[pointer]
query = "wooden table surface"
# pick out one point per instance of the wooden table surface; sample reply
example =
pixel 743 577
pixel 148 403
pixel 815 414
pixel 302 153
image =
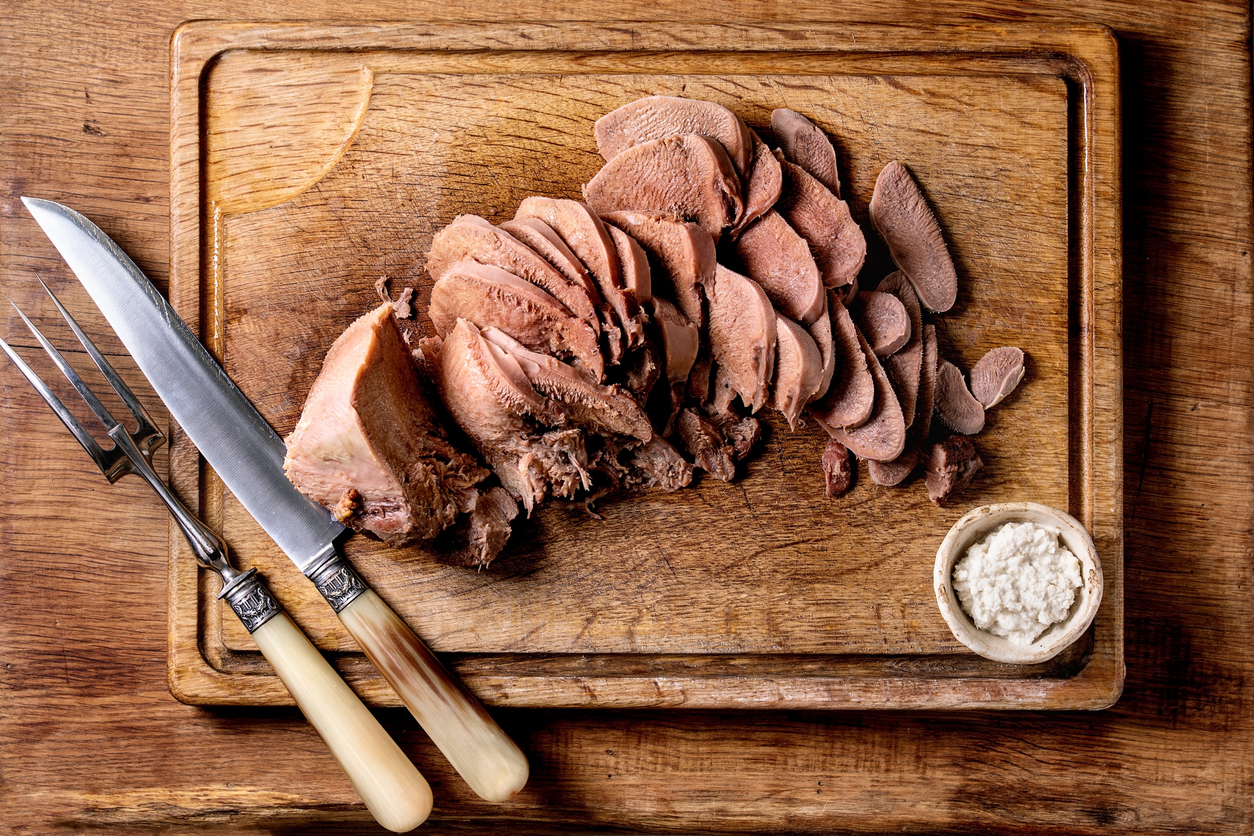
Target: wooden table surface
pixel 92 740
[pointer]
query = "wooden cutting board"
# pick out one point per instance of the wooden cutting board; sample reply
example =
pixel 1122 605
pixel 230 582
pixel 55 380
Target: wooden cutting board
pixel 310 160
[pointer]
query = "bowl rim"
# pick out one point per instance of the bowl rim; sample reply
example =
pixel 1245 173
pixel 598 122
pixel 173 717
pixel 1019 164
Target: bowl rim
pixel 977 524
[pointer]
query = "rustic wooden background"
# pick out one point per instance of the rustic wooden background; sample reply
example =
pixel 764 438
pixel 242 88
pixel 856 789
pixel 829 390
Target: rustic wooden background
pixel 90 738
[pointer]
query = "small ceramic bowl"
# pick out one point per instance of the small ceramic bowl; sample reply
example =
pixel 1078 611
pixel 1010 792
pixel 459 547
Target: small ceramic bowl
pixel 977 525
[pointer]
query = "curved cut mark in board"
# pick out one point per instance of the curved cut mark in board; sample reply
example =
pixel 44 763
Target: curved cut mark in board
pixel 275 124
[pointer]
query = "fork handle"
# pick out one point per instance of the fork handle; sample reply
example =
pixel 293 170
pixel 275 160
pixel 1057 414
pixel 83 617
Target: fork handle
pixel 394 791
pixel 491 763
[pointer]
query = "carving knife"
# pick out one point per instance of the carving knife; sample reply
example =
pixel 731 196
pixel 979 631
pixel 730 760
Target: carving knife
pixel 248 455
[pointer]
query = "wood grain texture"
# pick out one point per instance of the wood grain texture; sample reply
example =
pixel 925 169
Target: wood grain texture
pixel 92 740
pixel 1012 142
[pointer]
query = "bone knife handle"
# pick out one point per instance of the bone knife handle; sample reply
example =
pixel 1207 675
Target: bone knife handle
pixel 491 763
pixel 394 791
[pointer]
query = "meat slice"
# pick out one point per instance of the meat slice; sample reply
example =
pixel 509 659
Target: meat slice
pixel 489 396
pixel 682 256
pixel 996 375
pixel 489 296
pixel 705 444
pixel 908 226
pixel 882 319
pixel 482 533
pixel 680 338
pixel 891 474
pixel 687 176
pixel 658 464
pixel 637 277
pixel 542 238
pixel 955 405
pixel 822 219
pixel 895 472
pixel 883 436
pixel 369 445
pixel 851 396
pixel 951 465
pixel 603 408
pixel 742 335
pixel 471 237
pixel 658 117
pixel 804 144
pixel 798 369
pixel 837 468
pixel 776 257
pixel 821 333
pixel 762 189
pixel 588 238
pixel 905 365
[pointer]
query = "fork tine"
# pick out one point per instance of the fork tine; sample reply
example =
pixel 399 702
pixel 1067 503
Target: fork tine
pixel 89 396
pixel 103 461
pixel 147 436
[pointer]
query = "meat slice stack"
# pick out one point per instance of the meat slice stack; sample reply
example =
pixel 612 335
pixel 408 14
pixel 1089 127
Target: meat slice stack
pixel 628 339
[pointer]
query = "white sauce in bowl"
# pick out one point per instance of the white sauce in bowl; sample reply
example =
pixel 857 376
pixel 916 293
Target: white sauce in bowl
pixel 1017 581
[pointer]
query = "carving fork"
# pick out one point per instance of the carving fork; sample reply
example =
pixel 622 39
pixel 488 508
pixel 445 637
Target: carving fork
pixel 385 779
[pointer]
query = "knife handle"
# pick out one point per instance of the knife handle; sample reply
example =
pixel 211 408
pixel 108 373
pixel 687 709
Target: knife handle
pixel 491 763
pixel 394 791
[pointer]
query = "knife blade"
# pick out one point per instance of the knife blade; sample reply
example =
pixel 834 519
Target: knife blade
pixel 247 455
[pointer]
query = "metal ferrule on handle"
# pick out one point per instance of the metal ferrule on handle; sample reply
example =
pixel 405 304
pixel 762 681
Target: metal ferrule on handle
pixel 491 763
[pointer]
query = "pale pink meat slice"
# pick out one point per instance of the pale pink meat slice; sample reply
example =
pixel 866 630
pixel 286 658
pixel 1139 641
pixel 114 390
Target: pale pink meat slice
pixel 489 296
pixel 883 436
pixel 680 339
pixel 682 256
pixel 908 226
pixel 821 333
pixel 957 408
pixel 883 320
pixel 369 445
pixel 822 219
pixel 798 369
pixel 891 474
pixel 905 366
pixel 776 257
pixel 895 472
pixel 542 238
pixel 637 277
pixel 804 144
pixel 589 239
pixel 742 335
pixel 490 397
pixel 472 237
pixel 658 117
pixel 603 408
pixel 687 176
pixel 996 375
pixel 851 397
pixel 762 188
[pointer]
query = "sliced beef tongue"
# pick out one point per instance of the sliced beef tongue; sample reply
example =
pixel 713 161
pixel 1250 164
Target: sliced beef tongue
pixel 542 238
pixel 951 465
pixel 742 335
pixel 658 117
pixel 798 369
pixel 481 534
pixel 996 375
pixel 883 320
pixel 955 405
pixel 489 296
pixel 908 226
pixel 606 409
pixel 776 257
pixel 896 471
pixel 851 397
pixel 761 190
pixel 821 333
pixel 369 445
pixel 687 176
pixel 490 398
pixel 705 443
pixel 637 276
pixel 822 219
pixel 837 468
pixel 883 436
pixel 471 237
pixel 586 236
pixel 905 366
pixel 804 144
pixel 682 256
